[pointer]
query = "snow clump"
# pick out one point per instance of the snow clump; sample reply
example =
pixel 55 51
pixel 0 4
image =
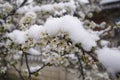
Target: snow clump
pixel 35 30
pixel 33 51
pixel 73 26
pixel 18 36
pixel 110 58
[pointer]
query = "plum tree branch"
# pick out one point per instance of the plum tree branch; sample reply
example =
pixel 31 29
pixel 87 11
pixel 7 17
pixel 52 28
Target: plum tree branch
pixel 80 64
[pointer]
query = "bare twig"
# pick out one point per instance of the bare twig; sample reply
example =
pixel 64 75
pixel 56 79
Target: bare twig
pixel 19 72
pixel 88 52
pixel 29 71
pixel 80 64
pixel 21 62
pixel 26 60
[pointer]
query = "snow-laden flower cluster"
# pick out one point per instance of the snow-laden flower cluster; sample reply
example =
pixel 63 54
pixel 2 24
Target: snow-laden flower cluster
pixel 74 28
pixel 35 32
pixel 51 34
pixel 71 25
pixel 18 36
pixel 49 8
pixel 56 42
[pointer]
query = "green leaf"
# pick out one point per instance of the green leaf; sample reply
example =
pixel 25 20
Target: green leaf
pixel 36 74
pixel 14 62
pixel 83 58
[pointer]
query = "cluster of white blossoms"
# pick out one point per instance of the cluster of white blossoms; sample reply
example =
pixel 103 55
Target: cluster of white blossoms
pixel 49 8
pixel 28 19
pixel 7 8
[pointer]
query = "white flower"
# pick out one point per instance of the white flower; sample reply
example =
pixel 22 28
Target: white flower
pixel 7 8
pixel 29 18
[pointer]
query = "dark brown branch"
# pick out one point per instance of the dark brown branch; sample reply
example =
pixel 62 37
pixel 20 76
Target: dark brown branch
pixel 23 3
pixel 29 71
pixel 91 55
pixel 39 69
pixel 26 60
pixel 14 10
pixel 80 64
pixel 88 52
pixel 21 61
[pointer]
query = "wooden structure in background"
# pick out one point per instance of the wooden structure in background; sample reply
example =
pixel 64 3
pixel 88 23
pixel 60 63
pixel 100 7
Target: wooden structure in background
pixel 110 13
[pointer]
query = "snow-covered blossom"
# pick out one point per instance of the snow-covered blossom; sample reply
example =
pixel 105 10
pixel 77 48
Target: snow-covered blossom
pixel 35 31
pixel 33 68
pixel 17 36
pixel 48 7
pixel 33 51
pixel 16 56
pixel 104 43
pixel 74 28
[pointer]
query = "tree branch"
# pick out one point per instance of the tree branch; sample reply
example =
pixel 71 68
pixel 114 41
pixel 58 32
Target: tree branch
pixel 87 52
pixel 39 69
pixel 26 60
pixel 23 3
pixel 14 10
pixel 19 72
pixel 80 64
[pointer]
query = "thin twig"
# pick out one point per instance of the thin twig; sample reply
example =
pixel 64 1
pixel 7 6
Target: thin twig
pixel 19 72
pixel 29 71
pixel 26 60
pixel 21 61
pixel 80 64
pixel 39 69
pixel 88 52
pixel 14 10
pixel 23 3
